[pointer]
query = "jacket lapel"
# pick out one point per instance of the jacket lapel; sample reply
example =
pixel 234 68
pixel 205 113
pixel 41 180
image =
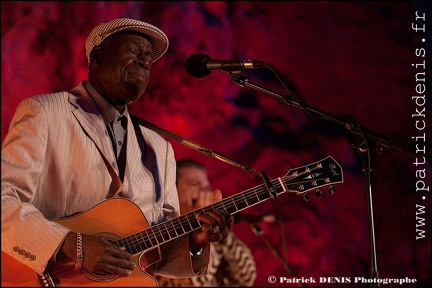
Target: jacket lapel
pixel 91 121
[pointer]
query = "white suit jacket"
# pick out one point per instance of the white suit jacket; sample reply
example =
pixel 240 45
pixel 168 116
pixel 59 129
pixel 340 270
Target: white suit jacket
pixel 58 160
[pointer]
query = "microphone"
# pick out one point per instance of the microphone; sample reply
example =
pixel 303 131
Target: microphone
pixel 254 218
pixel 200 65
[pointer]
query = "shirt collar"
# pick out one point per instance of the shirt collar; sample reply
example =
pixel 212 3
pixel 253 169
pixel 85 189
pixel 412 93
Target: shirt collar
pixel 109 112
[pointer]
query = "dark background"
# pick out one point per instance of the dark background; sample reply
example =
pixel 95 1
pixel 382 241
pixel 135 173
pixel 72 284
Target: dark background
pixel 352 60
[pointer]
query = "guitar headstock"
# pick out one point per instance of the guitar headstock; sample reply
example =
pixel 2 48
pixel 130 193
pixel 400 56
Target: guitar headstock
pixel 313 176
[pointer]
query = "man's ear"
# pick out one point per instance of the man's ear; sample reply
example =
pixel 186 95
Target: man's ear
pixel 95 56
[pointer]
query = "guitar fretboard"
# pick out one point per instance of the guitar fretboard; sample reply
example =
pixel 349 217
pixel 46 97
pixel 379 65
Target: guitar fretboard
pixel 168 230
pixel 298 181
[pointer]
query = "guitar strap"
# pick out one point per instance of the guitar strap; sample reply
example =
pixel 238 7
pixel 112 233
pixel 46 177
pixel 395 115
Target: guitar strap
pixel 136 120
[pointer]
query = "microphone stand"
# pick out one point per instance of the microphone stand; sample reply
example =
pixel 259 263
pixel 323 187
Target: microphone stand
pixel 363 147
pixel 380 140
pixel 258 231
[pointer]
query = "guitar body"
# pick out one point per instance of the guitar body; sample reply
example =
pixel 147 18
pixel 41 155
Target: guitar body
pixel 112 219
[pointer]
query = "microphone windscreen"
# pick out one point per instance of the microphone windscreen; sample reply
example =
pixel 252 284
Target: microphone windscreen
pixel 195 65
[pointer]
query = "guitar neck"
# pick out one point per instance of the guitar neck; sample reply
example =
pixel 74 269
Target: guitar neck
pixel 299 180
pixel 184 224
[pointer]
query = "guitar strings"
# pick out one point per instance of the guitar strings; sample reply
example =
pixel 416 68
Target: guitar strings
pixel 189 220
pixel 184 223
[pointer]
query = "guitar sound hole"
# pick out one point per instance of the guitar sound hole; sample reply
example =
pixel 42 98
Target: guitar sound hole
pixel 102 277
pixel 99 277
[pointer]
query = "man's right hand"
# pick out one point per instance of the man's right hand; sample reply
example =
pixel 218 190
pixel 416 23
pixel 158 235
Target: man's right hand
pixel 100 256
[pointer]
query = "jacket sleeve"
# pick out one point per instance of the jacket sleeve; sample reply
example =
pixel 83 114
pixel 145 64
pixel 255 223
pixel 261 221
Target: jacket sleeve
pixel 23 153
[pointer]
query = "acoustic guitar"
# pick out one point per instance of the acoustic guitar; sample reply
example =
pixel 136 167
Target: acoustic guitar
pixel 121 222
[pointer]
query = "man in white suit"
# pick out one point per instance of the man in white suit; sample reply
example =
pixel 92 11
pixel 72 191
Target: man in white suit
pixel 75 154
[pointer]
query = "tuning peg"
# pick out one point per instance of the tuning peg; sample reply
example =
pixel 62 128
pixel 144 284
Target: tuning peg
pixel 318 193
pixel 306 196
pixel 331 190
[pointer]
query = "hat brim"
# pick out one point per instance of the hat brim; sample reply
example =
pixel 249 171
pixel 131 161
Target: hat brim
pixel 159 41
